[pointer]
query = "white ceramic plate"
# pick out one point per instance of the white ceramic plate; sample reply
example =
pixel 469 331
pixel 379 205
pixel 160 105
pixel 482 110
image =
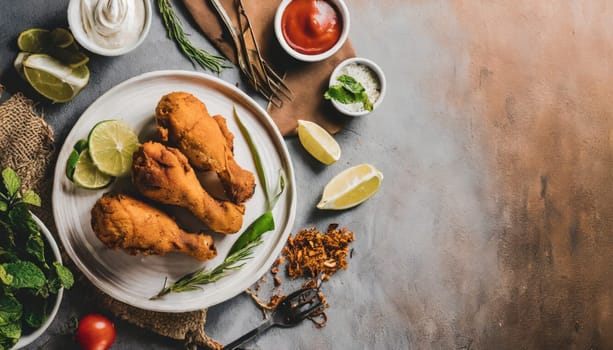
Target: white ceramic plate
pixel 134 279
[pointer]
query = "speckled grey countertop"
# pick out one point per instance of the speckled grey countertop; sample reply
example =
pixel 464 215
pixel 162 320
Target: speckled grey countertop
pixel 492 227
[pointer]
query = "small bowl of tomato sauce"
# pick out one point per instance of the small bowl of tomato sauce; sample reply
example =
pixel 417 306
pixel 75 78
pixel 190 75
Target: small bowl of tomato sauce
pixel 312 30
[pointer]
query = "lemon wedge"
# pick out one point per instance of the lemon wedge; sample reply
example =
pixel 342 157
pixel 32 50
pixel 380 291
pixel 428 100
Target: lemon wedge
pixel 351 187
pixel 318 142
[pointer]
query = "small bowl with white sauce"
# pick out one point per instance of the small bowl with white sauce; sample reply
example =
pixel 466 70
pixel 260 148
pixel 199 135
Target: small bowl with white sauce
pixel 109 27
pixel 349 97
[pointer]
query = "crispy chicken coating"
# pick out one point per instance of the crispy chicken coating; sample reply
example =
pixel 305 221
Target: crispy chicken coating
pixel 184 122
pixel 123 222
pixel 163 174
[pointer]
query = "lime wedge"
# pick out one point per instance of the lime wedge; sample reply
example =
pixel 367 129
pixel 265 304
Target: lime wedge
pixel 54 80
pixel 111 145
pixel 34 40
pixel 86 175
pixel 351 187
pixel 61 37
pixel 318 142
pixel 69 56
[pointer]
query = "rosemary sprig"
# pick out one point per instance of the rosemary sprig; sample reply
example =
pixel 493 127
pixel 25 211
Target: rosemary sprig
pixel 244 246
pixel 196 279
pixel 175 31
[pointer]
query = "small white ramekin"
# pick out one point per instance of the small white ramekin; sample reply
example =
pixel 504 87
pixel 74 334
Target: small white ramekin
pixel 76 27
pixel 378 72
pixel 344 13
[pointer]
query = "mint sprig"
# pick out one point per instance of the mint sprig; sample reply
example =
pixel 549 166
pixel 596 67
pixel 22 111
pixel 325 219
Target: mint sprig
pixel 27 278
pixel 348 91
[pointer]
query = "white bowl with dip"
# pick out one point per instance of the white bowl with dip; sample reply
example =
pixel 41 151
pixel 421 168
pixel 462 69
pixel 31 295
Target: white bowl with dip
pixel 109 27
pixel 322 39
pixel 365 72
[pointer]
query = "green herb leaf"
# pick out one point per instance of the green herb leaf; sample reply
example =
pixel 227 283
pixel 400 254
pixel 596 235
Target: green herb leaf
pixel 11 180
pixel 11 332
pixel 10 310
pixel 30 197
pixel 256 156
pixel 340 94
pixel 5 277
pixel 36 247
pixel 349 83
pixel 366 102
pixel 25 275
pixel 35 315
pixel 3 206
pixel 262 224
pixel 349 91
pixel 65 276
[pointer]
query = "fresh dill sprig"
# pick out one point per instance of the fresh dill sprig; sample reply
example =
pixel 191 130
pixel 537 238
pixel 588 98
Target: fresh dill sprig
pixel 175 30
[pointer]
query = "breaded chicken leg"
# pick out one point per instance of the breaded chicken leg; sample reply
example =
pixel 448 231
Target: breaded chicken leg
pixel 123 222
pixel 163 174
pixel 185 123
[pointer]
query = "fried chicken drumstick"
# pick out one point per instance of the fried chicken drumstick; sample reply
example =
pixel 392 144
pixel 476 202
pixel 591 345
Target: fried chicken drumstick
pixel 163 174
pixel 185 123
pixel 123 222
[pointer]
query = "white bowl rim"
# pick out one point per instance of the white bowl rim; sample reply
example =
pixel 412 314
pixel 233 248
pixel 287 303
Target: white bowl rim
pixel 375 68
pixel 344 11
pixel 28 339
pixel 76 27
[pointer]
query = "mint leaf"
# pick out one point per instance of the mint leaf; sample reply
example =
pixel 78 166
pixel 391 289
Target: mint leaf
pixel 5 277
pixel 36 247
pixel 349 83
pixel 64 274
pixel 366 102
pixel 35 311
pixel 11 331
pixel 340 94
pixel 10 310
pixel 30 197
pixel 25 275
pixel 11 180
pixel 3 206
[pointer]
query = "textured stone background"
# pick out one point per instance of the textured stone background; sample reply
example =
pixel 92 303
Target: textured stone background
pixel 493 226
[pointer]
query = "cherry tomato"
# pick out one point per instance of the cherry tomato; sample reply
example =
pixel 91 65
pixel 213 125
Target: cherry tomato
pixel 95 332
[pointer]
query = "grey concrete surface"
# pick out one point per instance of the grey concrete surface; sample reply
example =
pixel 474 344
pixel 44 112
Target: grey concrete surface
pixel 492 228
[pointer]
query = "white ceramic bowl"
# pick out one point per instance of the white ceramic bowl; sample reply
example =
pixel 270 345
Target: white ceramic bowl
pixel 76 27
pixel 29 338
pixel 344 13
pixel 378 73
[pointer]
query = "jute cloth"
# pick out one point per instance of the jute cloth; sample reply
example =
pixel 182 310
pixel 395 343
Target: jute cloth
pixel 27 145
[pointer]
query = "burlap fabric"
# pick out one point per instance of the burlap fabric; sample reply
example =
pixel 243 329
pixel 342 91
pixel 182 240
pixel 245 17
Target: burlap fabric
pixel 26 145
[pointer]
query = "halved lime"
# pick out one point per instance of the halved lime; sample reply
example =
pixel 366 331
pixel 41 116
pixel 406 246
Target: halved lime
pixel 69 56
pixel 53 79
pixel 61 37
pixel 111 145
pixel 87 175
pixel 34 40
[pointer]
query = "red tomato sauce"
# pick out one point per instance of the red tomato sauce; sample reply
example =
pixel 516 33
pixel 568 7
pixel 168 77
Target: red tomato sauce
pixel 311 27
